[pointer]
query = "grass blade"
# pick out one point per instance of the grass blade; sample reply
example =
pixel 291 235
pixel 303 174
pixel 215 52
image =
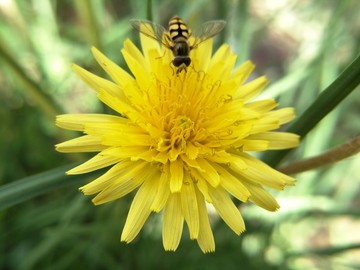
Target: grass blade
pixel 348 80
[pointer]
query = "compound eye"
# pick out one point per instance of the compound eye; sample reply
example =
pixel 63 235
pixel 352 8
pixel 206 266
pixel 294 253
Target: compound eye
pixel 178 60
pixel 187 61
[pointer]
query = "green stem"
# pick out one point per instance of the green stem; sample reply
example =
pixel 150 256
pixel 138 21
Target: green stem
pixel 348 80
pixel 336 154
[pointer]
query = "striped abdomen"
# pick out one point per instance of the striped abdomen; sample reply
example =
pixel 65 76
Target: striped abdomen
pixel 178 30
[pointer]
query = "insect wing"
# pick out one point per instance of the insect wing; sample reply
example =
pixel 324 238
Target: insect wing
pixel 208 30
pixel 150 29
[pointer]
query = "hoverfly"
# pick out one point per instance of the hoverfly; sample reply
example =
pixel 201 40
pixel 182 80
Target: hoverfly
pixel 177 37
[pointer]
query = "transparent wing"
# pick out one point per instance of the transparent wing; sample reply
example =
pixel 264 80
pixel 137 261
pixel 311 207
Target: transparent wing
pixel 151 30
pixel 208 30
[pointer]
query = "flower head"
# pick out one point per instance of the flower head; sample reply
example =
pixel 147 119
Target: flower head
pixel 180 140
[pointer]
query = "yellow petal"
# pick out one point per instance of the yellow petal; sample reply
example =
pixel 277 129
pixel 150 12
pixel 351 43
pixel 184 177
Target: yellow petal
pixel 97 83
pixel 226 209
pixel 134 52
pixel 202 55
pixel 277 140
pixel 221 64
pixel 190 207
pixel 262 174
pixel 148 44
pixel 232 184
pixel 119 128
pixel 210 174
pixel 230 86
pixel 222 53
pixel 254 145
pixel 172 223
pixel 261 197
pixel 234 136
pixel 134 152
pixel 174 153
pixel 220 156
pixel 162 193
pixel 78 121
pixel 222 121
pixel 201 184
pixel 120 76
pixel 135 95
pixel 176 175
pixel 143 79
pixel 265 123
pixel 86 143
pixel 191 162
pixel 205 238
pixel 123 108
pixel 161 157
pixel 243 71
pixel 117 182
pixel 236 162
pixel 191 150
pixel 284 115
pixel 139 210
pixel 129 139
pixel 122 171
pixel 251 89
pixel 262 106
pixel 97 162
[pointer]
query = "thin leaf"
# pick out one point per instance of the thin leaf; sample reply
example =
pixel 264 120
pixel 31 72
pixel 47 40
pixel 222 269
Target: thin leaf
pixel 348 80
pixel 32 186
pixel 149 11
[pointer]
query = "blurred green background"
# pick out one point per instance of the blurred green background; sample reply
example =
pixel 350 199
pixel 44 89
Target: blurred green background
pixel 301 45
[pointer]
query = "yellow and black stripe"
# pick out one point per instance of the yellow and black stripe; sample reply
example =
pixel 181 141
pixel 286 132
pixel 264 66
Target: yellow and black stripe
pixel 178 29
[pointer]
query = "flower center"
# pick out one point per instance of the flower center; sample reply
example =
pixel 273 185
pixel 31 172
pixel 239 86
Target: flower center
pixel 181 131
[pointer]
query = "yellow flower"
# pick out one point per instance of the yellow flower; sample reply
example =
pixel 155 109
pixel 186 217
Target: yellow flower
pixel 180 139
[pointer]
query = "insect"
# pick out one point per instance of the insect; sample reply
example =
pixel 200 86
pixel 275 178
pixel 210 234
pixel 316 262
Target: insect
pixel 177 37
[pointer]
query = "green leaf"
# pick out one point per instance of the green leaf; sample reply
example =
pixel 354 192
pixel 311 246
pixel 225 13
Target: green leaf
pixel 30 187
pixel 347 81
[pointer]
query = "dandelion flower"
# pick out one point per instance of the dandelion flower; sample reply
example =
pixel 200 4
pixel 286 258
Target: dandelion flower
pixel 180 140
